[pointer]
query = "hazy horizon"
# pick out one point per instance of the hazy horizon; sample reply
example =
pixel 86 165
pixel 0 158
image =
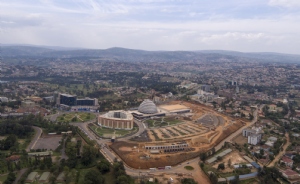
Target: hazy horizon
pixel 154 25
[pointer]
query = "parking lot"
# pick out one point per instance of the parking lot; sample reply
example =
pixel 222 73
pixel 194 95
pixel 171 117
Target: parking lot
pixel 49 142
pixel 177 131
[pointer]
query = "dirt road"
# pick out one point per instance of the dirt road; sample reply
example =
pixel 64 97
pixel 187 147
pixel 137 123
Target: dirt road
pixel 282 152
pixel 198 174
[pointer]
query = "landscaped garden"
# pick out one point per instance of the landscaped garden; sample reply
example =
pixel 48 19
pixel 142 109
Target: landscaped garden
pixel 76 117
pixel 160 122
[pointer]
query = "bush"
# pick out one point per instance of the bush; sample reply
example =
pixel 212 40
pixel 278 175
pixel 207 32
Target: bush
pixel 221 166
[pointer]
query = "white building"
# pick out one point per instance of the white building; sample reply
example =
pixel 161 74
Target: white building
pixel 254 139
pixel 254 135
pixel 3 99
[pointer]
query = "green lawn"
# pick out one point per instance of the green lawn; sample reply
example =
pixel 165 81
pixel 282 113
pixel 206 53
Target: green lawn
pixel 76 117
pixel 107 132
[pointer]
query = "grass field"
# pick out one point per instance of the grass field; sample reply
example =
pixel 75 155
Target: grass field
pixel 107 132
pixel 162 122
pixel 3 178
pixel 76 117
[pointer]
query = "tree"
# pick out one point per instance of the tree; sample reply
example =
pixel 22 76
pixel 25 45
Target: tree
pixel 213 150
pixel 221 166
pixel 120 174
pixel 10 178
pixel 201 164
pixel 213 178
pixel 9 142
pixel 229 162
pixel 103 166
pixel 188 181
pixel 52 179
pixel 123 179
pixel 93 177
pixel 89 154
pixel 203 156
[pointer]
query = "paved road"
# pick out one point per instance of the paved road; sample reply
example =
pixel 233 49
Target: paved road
pixel 38 133
pixel 63 151
pixel 141 127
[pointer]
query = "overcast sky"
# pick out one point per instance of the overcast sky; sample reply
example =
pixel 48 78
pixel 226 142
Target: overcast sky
pixel 240 25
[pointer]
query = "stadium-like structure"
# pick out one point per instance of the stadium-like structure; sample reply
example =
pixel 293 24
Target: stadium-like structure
pixel 147 107
pixel 117 120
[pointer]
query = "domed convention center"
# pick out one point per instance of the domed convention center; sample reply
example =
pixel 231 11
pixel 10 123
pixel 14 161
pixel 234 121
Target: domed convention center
pixel 147 107
pixel 116 120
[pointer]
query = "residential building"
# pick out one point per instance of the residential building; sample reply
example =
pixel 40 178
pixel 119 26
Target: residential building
pixel 254 139
pixel 287 161
pixel 290 174
pixel 254 135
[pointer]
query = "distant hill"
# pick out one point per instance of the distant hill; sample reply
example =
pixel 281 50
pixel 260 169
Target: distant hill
pixel 131 55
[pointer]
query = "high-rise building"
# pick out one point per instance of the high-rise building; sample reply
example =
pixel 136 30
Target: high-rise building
pixel 66 99
pixel 237 89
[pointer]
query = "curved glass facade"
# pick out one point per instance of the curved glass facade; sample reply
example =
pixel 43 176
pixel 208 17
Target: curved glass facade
pixel 147 107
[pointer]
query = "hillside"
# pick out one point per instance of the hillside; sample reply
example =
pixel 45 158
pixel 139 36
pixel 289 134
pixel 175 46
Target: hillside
pixel 131 55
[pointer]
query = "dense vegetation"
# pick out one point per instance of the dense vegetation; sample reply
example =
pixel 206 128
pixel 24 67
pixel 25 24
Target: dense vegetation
pixel 20 128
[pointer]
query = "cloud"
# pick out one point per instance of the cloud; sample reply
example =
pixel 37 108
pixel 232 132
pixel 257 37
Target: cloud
pixel 285 3
pixel 240 25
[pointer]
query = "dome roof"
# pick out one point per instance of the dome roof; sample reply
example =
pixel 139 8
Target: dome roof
pixel 147 107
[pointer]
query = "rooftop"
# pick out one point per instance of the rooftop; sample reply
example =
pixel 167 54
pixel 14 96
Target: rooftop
pixel 286 159
pixel 290 172
pixel 118 115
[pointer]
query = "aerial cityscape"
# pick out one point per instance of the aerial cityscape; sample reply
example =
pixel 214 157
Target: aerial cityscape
pixel 149 91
